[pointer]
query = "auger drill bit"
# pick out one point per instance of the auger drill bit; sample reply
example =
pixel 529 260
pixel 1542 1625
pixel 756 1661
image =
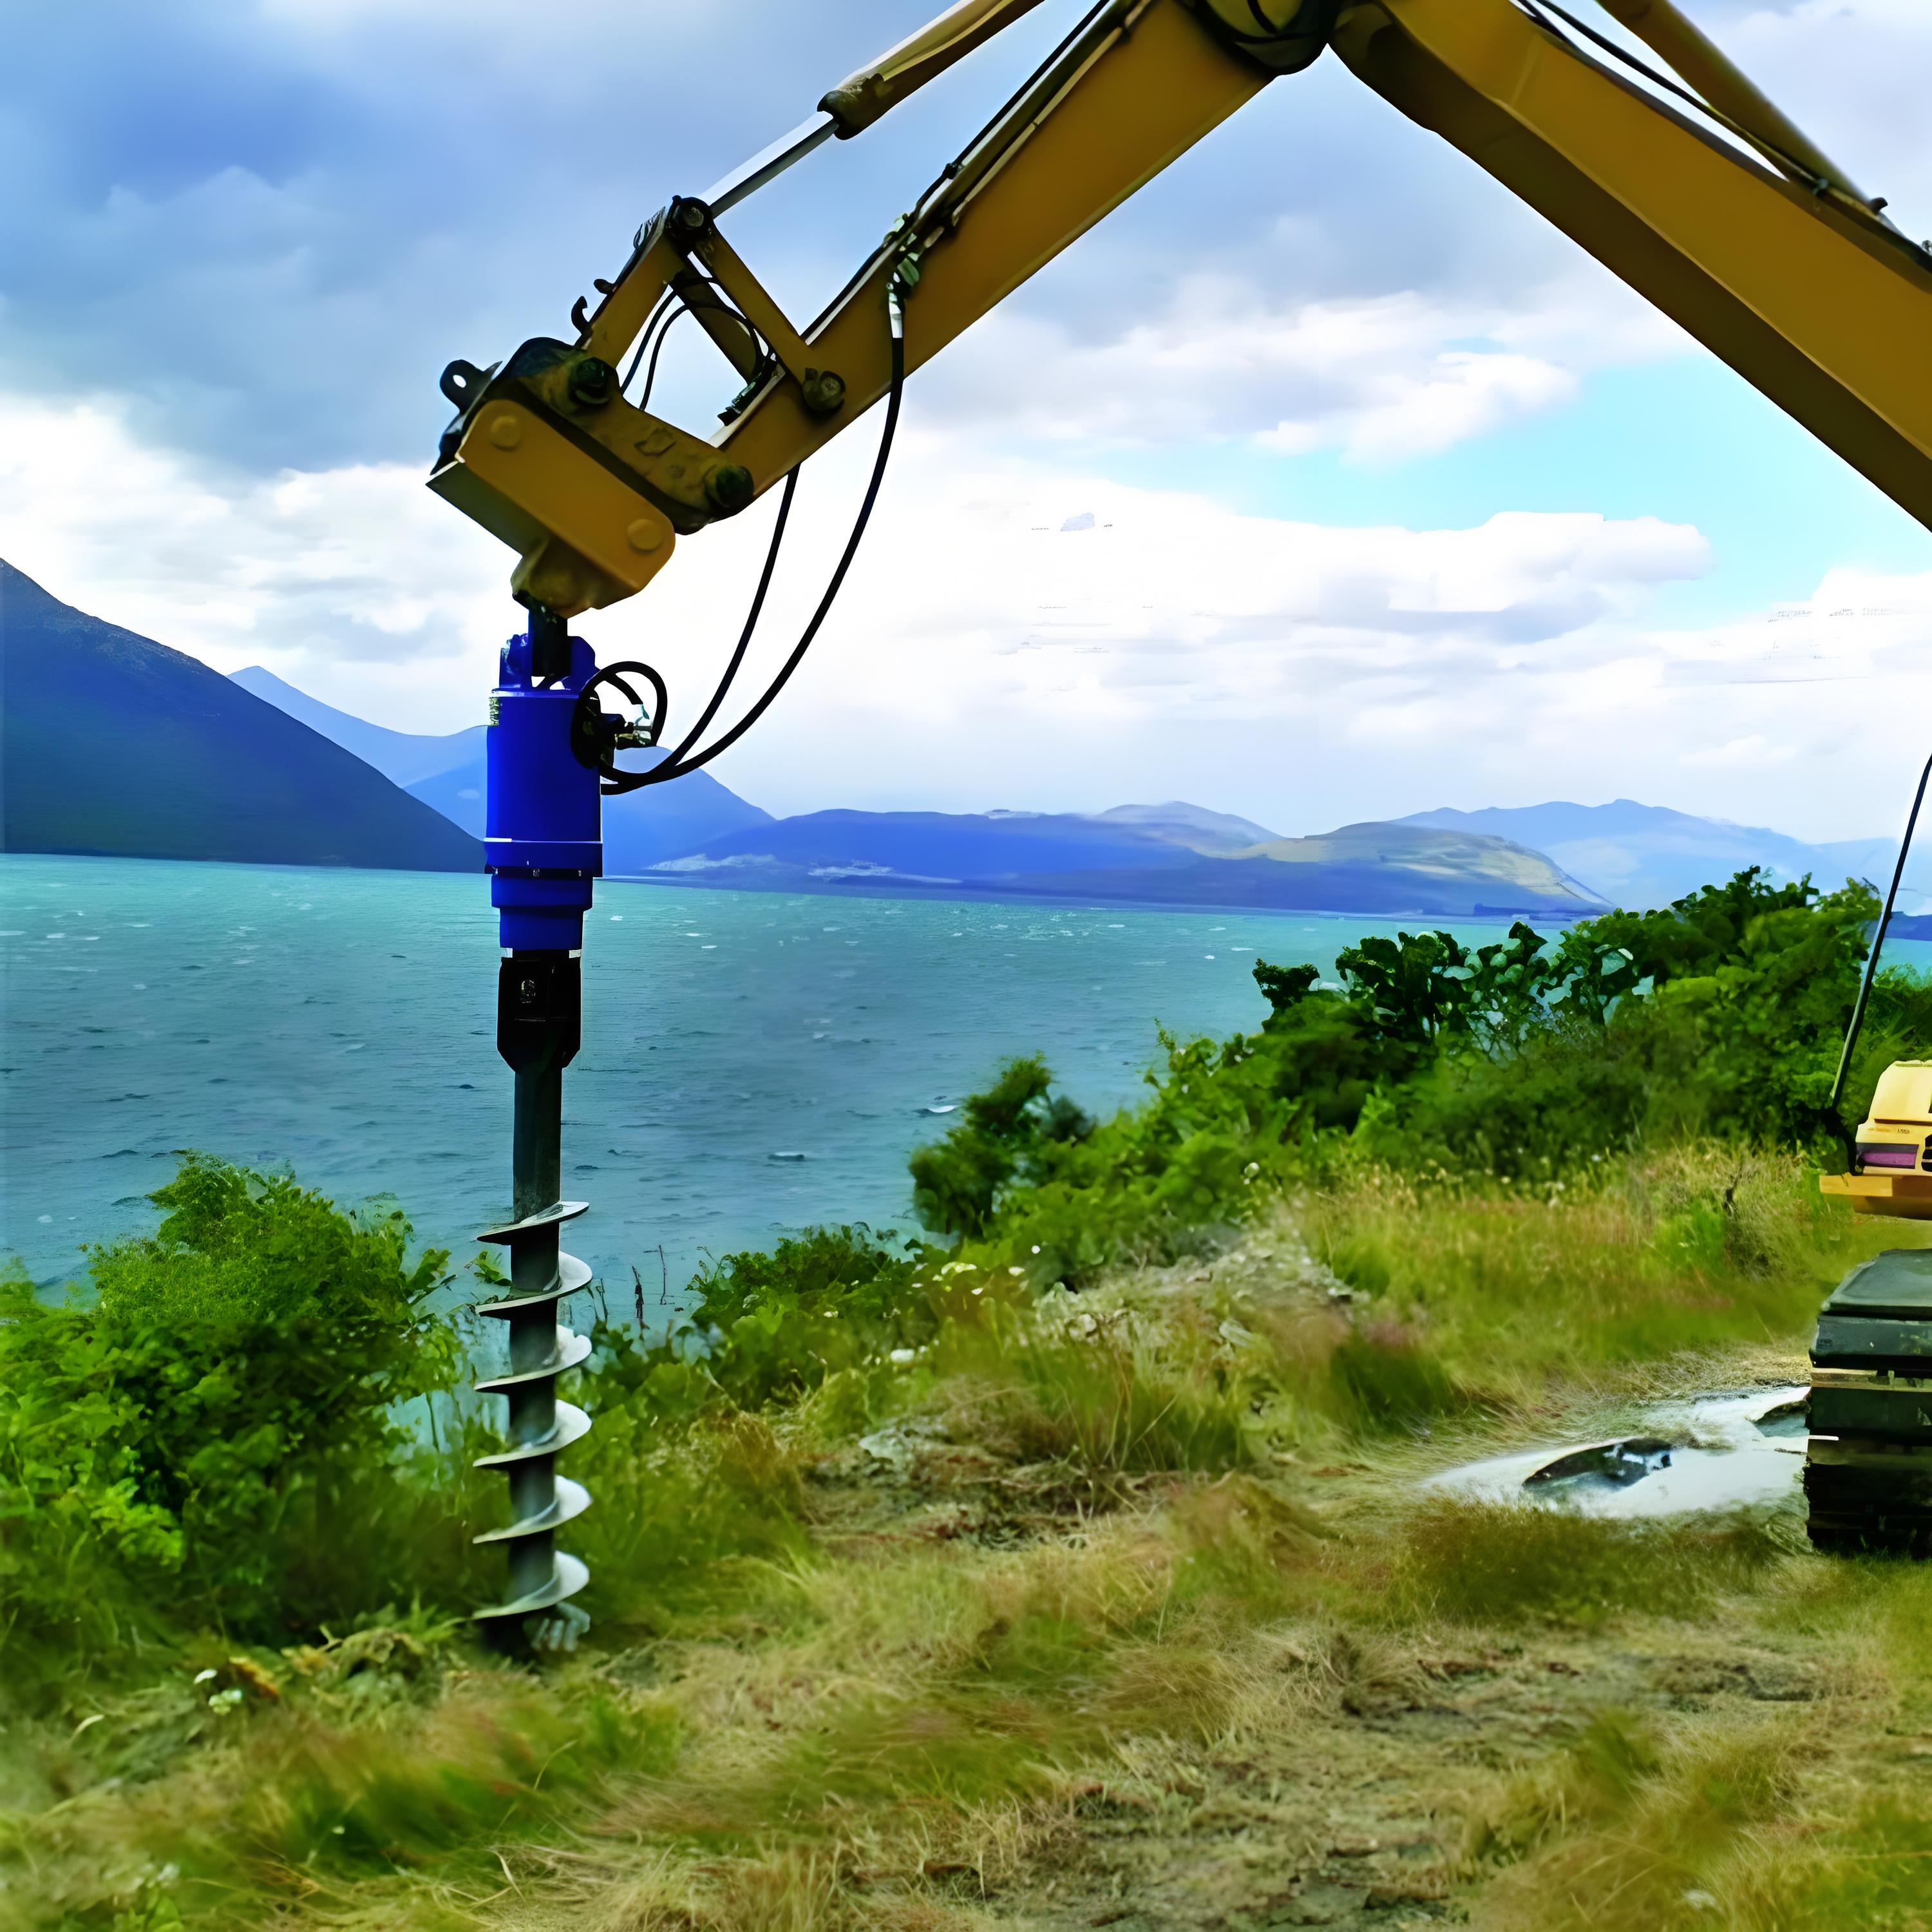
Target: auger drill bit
pixel 537 1032
pixel 543 849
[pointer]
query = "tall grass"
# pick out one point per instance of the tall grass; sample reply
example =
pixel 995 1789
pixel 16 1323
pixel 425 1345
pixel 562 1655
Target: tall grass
pixel 1678 1250
pixel 1101 1547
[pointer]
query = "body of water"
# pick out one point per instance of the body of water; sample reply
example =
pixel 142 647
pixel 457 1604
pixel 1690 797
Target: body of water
pixel 751 1062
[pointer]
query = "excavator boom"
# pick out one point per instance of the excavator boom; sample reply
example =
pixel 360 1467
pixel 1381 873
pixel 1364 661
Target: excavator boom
pixel 1712 204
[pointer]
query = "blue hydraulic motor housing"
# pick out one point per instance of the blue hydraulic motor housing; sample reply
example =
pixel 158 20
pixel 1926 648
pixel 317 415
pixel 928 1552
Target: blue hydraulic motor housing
pixel 542 815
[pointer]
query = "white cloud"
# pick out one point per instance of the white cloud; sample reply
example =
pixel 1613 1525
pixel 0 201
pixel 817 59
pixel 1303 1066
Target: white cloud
pixel 1384 378
pixel 1755 752
pixel 971 597
pixel 1852 73
pixel 312 573
pixel 994 647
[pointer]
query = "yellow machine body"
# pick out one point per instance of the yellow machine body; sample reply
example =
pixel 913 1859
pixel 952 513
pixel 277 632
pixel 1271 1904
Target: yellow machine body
pixel 1892 1175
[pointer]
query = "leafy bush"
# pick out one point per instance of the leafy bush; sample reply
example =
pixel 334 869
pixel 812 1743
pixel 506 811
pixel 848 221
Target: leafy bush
pixel 767 1326
pixel 1005 1139
pixel 1524 1061
pixel 197 1438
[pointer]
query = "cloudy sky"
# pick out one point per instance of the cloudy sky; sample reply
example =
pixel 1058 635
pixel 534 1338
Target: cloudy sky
pixel 1321 483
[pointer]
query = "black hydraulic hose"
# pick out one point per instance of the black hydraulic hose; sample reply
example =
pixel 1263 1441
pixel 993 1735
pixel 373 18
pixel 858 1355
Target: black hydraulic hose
pixel 669 307
pixel 1878 942
pixel 617 782
pixel 717 697
pixel 657 349
pixel 677 766
pixel 644 335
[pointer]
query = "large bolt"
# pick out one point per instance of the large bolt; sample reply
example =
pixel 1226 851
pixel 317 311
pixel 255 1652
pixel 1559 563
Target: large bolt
pixel 592 382
pixel 728 488
pixel 824 391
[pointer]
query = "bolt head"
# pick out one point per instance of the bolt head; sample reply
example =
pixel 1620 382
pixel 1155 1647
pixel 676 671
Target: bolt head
pixel 505 431
pixel 729 488
pixel 592 382
pixel 823 391
pixel 644 535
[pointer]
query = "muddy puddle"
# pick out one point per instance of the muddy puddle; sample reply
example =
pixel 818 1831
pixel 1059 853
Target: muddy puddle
pixel 1732 1451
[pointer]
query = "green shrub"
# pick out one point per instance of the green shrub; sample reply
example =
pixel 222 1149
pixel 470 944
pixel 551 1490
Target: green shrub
pixel 1005 1136
pixel 768 1328
pixel 1525 1060
pixel 206 1436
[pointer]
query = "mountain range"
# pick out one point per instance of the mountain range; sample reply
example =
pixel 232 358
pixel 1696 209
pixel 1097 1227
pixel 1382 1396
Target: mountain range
pixel 114 743
pixel 446 773
pixel 1172 854
pixel 1647 855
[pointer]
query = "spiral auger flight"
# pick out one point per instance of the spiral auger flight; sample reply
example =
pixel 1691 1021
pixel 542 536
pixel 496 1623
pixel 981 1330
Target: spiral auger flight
pixel 540 1426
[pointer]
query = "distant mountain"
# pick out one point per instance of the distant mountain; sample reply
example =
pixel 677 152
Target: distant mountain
pixel 1641 856
pixel 179 762
pixel 641 828
pixel 1192 825
pixel 447 774
pixel 1128 854
pixel 403 758
pixel 114 744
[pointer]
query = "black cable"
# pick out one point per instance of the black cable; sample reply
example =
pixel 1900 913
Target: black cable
pixel 1637 64
pixel 664 336
pixel 865 269
pixel 615 782
pixel 1534 8
pixel 1820 184
pixel 1878 943
pixel 678 767
pixel 663 331
pixel 644 337
pixel 717 697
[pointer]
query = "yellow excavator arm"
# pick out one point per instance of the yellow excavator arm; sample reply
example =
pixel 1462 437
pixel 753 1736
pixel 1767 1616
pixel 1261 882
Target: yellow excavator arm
pixel 1692 187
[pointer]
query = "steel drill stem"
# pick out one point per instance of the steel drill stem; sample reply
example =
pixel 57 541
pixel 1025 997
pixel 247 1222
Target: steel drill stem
pixel 536 1160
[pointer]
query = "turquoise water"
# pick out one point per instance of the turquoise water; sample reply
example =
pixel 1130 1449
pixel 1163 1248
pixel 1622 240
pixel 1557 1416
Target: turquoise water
pixel 342 1023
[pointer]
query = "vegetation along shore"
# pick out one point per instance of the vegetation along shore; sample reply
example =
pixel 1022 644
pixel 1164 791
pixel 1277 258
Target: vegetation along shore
pixel 1071 1563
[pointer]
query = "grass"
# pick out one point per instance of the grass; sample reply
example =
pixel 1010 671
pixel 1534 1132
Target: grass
pixel 1692 1249
pixel 1118 1608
